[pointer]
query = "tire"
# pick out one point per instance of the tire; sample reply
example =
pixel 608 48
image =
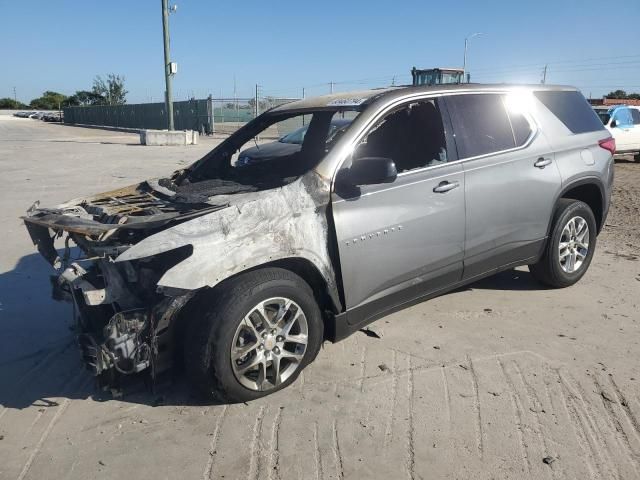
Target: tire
pixel 230 318
pixel 557 272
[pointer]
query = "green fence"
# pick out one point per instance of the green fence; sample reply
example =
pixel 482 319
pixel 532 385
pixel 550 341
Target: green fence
pixel 224 115
pixel 187 115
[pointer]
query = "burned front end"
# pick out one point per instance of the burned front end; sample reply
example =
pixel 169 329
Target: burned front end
pixel 123 318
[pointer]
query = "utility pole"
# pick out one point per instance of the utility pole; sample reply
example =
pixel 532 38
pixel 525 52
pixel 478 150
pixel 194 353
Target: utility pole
pixel 222 109
pixel 304 94
pixel 331 87
pixel 257 108
pixel 466 45
pixel 167 63
pixel 235 98
pixel 544 75
pixel 15 98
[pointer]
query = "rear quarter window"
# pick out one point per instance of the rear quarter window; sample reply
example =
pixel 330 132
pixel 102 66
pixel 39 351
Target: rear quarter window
pixel 572 109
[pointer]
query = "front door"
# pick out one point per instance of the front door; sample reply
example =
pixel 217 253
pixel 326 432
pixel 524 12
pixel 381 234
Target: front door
pixel 401 240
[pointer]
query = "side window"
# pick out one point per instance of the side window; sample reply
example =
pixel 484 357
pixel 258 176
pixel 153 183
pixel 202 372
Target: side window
pixel 635 114
pixel 520 126
pixel 623 118
pixel 572 109
pixel 482 126
pixel 413 136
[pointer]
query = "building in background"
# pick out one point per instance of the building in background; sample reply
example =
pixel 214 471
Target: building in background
pixel 614 101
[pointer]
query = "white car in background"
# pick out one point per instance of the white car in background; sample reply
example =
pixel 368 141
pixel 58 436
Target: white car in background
pixel 623 121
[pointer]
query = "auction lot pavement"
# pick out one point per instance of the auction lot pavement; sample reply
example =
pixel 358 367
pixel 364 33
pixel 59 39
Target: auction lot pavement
pixel 503 379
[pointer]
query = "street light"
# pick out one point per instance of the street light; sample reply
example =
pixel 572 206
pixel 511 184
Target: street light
pixel 466 43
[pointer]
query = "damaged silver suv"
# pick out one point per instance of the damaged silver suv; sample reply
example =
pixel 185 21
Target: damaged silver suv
pixel 244 270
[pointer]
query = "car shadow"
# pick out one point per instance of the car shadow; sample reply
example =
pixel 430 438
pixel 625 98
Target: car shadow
pixel 40 361
pixel 39 358
pixel 509 280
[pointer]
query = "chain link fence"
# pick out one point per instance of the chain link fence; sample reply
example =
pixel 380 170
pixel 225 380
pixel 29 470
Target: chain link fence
pixel 207 116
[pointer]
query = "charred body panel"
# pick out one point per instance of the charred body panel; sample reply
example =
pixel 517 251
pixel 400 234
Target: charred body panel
pixel 287 222
pixel 144 258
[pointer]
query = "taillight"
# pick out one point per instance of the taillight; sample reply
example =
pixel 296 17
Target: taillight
pixel 608 144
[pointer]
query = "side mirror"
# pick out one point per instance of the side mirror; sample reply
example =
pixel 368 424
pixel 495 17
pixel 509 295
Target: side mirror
pixel 372 170
pixel 614 124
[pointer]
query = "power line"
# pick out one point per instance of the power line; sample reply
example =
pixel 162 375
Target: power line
pixel 536 71
pixel 559 62
pixel 583 68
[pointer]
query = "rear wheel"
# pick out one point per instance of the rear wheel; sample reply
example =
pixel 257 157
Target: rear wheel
pixel 570 247
pixel 254 336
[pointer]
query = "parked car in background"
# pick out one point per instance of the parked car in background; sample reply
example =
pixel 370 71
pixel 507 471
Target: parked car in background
pixel 245 271
pixel 287 145
pixel 623 122
pixel 52 117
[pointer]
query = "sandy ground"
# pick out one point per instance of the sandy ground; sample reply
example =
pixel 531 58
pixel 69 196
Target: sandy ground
pixel 486 382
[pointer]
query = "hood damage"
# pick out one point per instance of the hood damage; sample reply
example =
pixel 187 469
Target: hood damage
pixel 131 259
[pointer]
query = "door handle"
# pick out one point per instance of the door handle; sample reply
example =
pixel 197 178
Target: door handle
pixel 542 162
pixel 444 187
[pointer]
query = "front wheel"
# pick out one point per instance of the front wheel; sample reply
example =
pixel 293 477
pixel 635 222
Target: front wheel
pixel 253 336
pixel 570 247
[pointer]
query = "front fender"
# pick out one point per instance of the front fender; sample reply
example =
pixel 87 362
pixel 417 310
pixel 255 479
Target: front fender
pixel 275 224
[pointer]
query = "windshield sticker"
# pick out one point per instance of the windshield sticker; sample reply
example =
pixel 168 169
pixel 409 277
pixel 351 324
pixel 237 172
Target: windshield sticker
pixel 346 102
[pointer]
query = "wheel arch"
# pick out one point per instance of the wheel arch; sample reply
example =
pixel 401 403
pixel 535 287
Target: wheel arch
pixel 590 191
pixel 325 293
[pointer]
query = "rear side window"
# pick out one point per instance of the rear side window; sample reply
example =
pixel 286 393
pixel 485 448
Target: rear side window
pixel 623 117
pixel 572 109
pixel 636 116
pixel 482 126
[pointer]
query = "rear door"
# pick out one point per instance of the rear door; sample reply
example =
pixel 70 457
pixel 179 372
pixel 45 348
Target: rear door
pixel 511 180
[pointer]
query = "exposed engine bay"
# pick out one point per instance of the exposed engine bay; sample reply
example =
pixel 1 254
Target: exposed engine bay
pixel 120 315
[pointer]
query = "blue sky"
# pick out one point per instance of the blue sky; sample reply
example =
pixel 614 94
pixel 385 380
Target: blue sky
pixel 286 45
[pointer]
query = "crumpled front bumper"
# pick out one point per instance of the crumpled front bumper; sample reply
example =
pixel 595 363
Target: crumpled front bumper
pixel 133 341
pixel 119 331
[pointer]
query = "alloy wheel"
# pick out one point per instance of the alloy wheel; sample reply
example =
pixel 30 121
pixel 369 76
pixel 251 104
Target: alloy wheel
pixel 574 244
pixel 269 344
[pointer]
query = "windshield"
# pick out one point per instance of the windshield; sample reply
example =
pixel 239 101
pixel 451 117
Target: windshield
pixel 296 137
pixel 256 158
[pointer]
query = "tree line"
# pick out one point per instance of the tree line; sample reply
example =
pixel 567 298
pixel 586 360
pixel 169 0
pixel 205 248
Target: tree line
pixel 109 91
pixel 621 94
